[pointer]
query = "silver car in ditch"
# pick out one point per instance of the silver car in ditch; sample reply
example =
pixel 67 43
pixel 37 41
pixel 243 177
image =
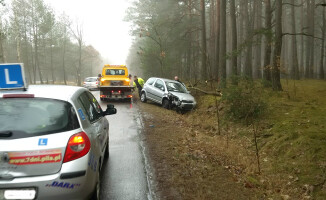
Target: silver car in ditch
pixel 53 143
pixel 168 93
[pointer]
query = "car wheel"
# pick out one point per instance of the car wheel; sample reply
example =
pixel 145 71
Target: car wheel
pixel 102 99
pixel 96 192
pixel 166 104
pixel 143 97
pixel 107 151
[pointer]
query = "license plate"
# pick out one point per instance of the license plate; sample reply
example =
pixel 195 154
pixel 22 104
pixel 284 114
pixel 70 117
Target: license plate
pixel 116 93
pixel 18 194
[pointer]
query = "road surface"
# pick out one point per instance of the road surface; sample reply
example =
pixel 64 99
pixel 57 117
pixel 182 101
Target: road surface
pixel 124 175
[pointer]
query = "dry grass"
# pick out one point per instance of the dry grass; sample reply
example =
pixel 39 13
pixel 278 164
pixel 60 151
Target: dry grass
pixel 190 155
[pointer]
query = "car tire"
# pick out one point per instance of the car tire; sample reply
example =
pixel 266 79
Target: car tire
pixel 166 104
pixel 97 189
pixel 102 99
pixel 107 151
pixel 143 97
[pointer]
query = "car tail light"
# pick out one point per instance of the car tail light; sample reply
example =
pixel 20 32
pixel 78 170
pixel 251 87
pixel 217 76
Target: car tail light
pixel 96 83
pixel 119 91
pixel 78 146
pixel 129 96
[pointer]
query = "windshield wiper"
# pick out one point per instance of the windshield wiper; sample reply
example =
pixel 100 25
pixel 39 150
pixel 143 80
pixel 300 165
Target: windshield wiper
pixel 6 134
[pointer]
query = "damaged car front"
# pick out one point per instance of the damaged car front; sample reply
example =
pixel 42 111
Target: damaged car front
pixel 179 96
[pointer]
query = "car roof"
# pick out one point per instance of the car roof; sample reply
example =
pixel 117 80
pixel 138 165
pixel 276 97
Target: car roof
pixel 59 92
pixel 91 77
pixel 165 79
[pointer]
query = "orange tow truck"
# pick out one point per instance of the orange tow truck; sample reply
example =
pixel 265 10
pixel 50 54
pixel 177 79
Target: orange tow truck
pixel 115 83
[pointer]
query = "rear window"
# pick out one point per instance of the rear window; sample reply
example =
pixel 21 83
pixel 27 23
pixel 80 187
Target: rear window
pixel 115 72
pixel 27 117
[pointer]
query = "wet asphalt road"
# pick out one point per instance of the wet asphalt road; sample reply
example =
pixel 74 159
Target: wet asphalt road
pixel 124 174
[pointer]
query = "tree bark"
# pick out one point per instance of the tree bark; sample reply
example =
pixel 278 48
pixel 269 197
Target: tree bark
pixel 234 39
pixel 203 37
pixel 2 53
pixel 258 47
pixel 308 42
pixel 312 40
pixel 322 49
pixel 222 59
pixel 276 76
pixel 217 40
pixel 268 36
pixel 295 65
pixel 249 24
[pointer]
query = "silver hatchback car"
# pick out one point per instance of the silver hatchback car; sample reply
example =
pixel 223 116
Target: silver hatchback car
pixel 168 93
pixel 91 83
pixel 53 143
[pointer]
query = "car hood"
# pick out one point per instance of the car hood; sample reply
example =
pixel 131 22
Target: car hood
pixel 184 96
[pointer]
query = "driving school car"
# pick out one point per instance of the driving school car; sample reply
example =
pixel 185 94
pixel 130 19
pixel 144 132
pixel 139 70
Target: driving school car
pixel 53 142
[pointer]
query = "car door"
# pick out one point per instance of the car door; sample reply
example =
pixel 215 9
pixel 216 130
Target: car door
pixel 148 87
pixel 98 127
pixel 158 90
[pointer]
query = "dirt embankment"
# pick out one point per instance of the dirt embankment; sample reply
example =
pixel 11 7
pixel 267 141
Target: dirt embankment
pixel 187 163
pixel 192 160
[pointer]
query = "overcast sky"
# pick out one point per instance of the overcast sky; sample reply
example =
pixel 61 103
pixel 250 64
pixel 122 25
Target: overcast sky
pixel 103 25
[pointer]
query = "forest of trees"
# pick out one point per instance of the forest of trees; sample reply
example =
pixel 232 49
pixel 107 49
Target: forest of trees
pixel 216 39
pixel 51 47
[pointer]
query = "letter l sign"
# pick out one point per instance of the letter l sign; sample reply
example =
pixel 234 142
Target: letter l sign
pixel 8 79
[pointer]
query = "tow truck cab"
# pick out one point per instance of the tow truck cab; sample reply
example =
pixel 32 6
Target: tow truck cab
pixel 115 83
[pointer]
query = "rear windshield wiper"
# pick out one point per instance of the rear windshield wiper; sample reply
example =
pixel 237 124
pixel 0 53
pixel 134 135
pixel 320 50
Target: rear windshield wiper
pixel 6 134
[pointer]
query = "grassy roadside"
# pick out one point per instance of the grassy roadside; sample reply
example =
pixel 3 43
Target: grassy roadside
pixel 192 161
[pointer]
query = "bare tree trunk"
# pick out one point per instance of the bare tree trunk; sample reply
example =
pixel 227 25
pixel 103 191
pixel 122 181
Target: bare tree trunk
pixel 51 58
pixel 312 40
pixel 295 65
pixel 18 38
pixel 203 37
pixel 27 64
pixel 249 25
pixel 2 53
pixel 308 41
pixel 222 59
pixel 234 38
pixel 276 82
pixel 212 38
pixel 258 46
pixel 322 50
pixel 268 36
pixel 217 40
pixel 63 58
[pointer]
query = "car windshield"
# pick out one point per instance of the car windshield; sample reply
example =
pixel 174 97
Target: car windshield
pixel 115 72
pixel 175 87
pixel 36 116
pixel 91 79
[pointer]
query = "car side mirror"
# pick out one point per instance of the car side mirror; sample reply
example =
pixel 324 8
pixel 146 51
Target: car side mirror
pixel 110 110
